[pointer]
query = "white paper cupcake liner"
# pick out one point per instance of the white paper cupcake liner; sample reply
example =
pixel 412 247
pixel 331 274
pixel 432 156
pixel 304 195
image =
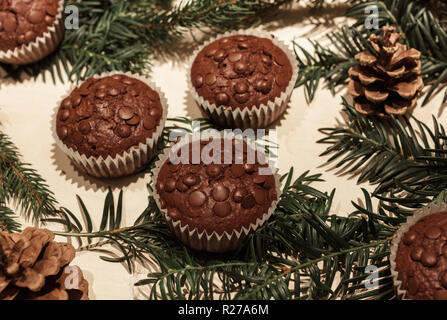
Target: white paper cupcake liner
pixel 118 165
pixel 418 214
pixel 256 117
pixel 204 241
pixel 41 47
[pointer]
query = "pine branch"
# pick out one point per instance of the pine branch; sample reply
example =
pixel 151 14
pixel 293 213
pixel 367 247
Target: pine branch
pixel 402 156
pixel 21 183
pixel 123 35
pixel 8 220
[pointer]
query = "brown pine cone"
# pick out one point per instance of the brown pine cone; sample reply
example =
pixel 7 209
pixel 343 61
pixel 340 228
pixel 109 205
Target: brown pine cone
pixel 389 81
pixel 33 266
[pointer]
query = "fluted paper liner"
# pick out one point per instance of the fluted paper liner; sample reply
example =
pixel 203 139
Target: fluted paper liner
pixel 118 165
pixel 418 214
pixel 204 241
pixel 258 116
pixel 39 48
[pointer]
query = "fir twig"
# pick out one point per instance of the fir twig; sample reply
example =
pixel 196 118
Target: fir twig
pixel 21 183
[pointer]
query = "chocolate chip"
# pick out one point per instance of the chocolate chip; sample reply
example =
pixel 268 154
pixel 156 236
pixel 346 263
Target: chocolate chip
pixel 213 170
pixel 210 79
pixel 416 253
pixel 240 67
pixel 77 100
pixel 241 87
pixel 219 55
pixel 249 168
pixel 220 193
pixel 240 38
pixel 258 179
pixel 133 93
pixel 428 258
pixel 237 170
pixel 243 46
pixel 239 194
pixel 127 81
pixel 62 132
pixel 413 285
pixel 36 16
pixel 113 91
pixel 281 58
pixel 210 52
pixel 181 186
pixel 21 39
pixel 190 180
pixel 248 202
pixel 135 120
pixel 77 137
pixel 10 24
pixel 197 81
pixel 84 127
pixel 174 213
pixel 49 20
pixel 125 113
pixel 433 232
pixel 197 198
pixel 160 186
pixel 222 209
pixel 170 185
pixel 20 7
pixel 222 98
pixel 263 86
pixel 123 131
pixel 30 36
pixel 242 98
pixel 266 59
pixel 155 112
pixel 64 114
pixel 409 237
pixel 443 279
pixel 234 57
pixel 441 295
pixel 101 94
pixel 149 123
pixel 51 10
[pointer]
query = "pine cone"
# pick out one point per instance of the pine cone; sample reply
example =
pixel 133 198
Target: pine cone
pixel 33 266
pixel 389 81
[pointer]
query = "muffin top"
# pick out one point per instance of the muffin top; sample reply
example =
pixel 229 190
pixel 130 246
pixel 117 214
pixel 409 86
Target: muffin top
pixel 22 21
pixel 216 197
pixel 241 71
pixel 108 116
pixel 421 259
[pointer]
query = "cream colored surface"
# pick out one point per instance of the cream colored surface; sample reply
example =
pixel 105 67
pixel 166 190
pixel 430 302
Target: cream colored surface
pixel 26 109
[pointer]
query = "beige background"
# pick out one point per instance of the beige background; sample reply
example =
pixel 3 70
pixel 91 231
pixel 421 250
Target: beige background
pixel 26 109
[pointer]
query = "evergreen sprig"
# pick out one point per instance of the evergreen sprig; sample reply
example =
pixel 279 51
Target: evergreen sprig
pixel 23 185
pixel 402 156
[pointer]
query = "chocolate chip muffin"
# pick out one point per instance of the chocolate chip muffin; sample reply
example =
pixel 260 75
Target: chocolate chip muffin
pixel 22 22
pixel 115 121
pixel 421 259
pixel 243 74
pixel 215 198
